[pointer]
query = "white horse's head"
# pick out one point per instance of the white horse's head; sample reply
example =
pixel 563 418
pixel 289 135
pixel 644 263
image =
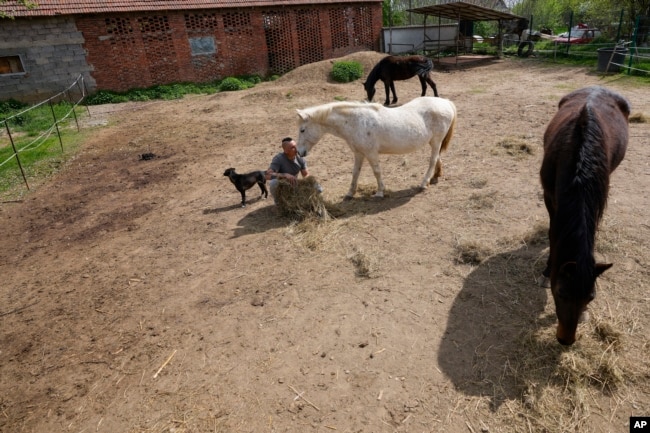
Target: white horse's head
pixel 310 132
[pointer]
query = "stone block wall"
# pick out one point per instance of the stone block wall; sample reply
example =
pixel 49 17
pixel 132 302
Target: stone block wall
pixel 52 55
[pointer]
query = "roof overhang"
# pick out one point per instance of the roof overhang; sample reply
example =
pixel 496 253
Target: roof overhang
pixel 80 7
pixel 464 11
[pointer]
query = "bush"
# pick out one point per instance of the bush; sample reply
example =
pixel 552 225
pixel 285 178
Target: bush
pixel 231 84
pixel 346 71
pixel 104 97
pixel 171 91
pixel 10 105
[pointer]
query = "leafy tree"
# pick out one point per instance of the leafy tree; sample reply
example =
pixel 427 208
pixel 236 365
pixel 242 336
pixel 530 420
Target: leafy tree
pixel 556 14
pixel 391 15
pixel 27 3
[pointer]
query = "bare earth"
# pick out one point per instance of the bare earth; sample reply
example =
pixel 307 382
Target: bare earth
pixel 138 296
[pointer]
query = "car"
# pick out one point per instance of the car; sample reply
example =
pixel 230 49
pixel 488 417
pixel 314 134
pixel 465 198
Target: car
pixel 477 38
pixel 577 36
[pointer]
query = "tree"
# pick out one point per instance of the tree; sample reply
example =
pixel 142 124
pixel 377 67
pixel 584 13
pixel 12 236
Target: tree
pixel 26 3
pixel 391 16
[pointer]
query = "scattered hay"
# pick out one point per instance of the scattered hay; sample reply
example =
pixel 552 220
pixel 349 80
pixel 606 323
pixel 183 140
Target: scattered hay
pixel 483 200
pixel 606 333
pixel 316 235
pixel 592 365
pixel 478 183
pixel 302 201
pixel 556 381
pixel 638 118
pixel 538 235
pixel 366 266
pixel 516 147
pixel 609 239
pixel 472 252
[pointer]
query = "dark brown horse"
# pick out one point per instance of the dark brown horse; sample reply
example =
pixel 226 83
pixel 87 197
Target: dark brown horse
pixel 584 142
pixel 392 68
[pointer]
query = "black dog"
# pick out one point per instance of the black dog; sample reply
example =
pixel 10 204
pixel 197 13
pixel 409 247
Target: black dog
pixel 246 181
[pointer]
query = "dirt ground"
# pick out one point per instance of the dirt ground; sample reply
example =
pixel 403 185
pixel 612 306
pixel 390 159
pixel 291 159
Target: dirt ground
pixel 138 296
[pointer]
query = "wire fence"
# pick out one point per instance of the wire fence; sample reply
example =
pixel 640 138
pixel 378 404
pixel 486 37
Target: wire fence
pixel 74 94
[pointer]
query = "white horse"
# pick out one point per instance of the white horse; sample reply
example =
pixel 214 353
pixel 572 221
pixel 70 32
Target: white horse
pixel 371 129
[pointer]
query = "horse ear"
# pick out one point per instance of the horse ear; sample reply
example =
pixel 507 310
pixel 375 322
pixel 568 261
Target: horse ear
pixel 602 267
pixel 301 114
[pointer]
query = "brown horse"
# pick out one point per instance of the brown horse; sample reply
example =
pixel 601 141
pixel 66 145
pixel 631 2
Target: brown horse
pixel 584 142
pixel 392 68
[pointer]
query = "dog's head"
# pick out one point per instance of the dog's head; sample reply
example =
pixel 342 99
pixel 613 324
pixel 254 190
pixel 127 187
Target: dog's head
pixel 229 171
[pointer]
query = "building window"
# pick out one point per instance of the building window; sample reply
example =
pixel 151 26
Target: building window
pixel 11 65
pixel 202 46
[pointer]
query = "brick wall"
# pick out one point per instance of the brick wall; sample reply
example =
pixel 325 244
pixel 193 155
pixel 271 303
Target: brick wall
pixel 136 50
pixel 52 55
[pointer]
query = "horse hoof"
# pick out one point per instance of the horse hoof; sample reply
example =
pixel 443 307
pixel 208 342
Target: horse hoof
pixel 347 197
pixel 433 181
pixel 379 195
pixel 543 281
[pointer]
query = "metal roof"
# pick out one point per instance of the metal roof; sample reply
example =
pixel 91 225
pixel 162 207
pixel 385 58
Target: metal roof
pixel 71 7
pixel 464 11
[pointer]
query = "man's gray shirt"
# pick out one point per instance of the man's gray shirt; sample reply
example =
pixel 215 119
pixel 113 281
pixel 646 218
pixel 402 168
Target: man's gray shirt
pixel 282 164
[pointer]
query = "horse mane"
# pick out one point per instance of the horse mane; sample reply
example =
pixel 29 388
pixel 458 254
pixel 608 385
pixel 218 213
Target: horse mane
pixel 585 190
pixel 320 113
pixel 374 74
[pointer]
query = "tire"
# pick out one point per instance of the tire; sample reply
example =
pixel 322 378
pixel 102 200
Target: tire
pixel 525 48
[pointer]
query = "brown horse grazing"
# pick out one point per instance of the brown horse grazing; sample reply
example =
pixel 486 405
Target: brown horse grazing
pixel 392 68
pixel 584 142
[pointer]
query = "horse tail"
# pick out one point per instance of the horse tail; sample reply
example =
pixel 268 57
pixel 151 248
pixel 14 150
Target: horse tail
pixel 423 68
pixel 450 131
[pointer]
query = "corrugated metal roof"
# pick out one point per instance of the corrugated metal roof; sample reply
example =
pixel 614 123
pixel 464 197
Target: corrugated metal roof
pixel 458 10
pixel 70 7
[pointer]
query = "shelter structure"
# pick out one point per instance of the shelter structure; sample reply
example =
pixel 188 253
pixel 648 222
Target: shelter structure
pixel 465 14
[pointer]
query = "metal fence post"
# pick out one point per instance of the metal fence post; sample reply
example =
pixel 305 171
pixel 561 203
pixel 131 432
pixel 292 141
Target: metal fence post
pixel 56 125
pixel 13 146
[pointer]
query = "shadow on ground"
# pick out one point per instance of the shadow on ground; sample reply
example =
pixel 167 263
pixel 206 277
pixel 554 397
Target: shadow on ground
pixel 498 305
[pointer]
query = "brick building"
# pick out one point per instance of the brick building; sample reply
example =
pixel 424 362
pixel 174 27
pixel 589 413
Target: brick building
pixel 119 45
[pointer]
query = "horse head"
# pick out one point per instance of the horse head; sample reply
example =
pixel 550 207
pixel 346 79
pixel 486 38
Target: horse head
pixel 370 90
pixel 310 132
pixel 572 291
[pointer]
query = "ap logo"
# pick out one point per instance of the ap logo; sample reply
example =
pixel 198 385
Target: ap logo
pixel 639 424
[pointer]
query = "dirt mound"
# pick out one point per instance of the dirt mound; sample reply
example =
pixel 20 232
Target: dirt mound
pixel 319 72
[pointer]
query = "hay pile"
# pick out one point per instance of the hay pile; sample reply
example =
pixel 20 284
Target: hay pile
pixel 302 201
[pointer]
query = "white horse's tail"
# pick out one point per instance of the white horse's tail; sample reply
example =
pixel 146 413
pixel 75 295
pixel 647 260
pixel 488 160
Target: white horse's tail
pixel 450 131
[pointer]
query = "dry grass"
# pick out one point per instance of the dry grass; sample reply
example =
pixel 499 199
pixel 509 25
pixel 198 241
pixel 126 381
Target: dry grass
pixel 315 234
pixel 302 201
pixel 537 235
pixel 483 200
pixel 516 147
pixel 366 265
pixel 638 118
pixel 472 252
pixel 559 385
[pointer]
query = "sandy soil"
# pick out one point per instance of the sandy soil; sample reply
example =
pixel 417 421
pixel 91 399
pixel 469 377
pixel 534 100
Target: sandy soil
pixel 138 296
